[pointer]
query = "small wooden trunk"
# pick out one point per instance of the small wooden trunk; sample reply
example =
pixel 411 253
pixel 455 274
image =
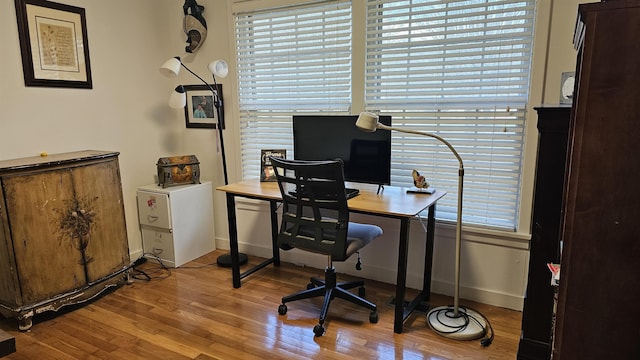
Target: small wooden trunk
pixel 178 170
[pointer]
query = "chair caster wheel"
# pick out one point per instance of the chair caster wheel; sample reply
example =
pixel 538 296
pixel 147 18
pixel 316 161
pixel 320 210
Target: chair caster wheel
pixel 361 291
pixel 282 309
pixel 373 317
pixel 318 330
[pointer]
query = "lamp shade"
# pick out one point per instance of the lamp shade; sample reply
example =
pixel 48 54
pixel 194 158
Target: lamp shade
pixel 178 98
pixel 367 122
pixel 219 68
pixel 171 67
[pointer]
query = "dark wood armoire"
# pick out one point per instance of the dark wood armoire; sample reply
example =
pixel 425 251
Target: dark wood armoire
pixel 537 314
pixel 598 310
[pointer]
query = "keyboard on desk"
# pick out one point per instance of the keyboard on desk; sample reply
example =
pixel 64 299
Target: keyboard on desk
pixel 351 192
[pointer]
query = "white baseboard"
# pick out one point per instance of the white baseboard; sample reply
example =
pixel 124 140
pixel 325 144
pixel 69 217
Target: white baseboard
pixel 135 255
pixel 371 271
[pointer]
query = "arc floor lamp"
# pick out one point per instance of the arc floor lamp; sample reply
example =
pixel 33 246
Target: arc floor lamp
pixel 178 100
pixel 449 321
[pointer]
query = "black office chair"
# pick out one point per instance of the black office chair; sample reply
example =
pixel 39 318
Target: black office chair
pixel 315 218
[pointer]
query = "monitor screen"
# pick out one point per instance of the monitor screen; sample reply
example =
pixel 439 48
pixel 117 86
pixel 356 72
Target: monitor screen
pixel 366 155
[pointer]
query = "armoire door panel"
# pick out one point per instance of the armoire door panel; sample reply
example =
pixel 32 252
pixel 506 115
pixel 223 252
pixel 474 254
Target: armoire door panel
pixel 99 193
pixel 9 287
pixel 36 205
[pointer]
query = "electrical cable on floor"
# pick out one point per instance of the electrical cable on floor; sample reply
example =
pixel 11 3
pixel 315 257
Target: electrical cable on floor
pixel 149 273
pixel 467 320
pixel 140 275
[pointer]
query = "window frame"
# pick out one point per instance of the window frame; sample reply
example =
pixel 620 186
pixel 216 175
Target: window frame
pixel 358 102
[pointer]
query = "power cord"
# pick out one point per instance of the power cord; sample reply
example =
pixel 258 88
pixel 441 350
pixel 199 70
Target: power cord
pixel 467 319
pixel 148 275
pixel 487 340
pixel 137 273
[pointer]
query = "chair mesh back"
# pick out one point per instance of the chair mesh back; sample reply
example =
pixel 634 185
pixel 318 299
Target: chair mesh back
pixel 315 213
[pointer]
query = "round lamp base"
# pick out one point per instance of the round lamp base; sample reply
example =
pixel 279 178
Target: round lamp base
pixel 466 325
pixel 225 260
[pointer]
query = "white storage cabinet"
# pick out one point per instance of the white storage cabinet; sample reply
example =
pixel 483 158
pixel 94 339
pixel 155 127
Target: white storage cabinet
pixel 176 222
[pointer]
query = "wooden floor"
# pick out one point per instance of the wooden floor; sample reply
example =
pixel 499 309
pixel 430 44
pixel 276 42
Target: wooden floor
pixel 193 312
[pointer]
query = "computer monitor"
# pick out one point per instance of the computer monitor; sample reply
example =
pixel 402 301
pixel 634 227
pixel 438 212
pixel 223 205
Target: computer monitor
pixel 366 156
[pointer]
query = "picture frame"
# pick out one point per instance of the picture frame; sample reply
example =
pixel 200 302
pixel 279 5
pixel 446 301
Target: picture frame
pixel 267 171
pixel 53 44
pixel 206 117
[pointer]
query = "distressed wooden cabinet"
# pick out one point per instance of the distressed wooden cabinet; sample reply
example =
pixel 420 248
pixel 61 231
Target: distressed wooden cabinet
pixel 63 237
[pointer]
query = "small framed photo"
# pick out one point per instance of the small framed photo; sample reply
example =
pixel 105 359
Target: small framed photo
pixel 267 171
pixel 200 111
pixel 53 44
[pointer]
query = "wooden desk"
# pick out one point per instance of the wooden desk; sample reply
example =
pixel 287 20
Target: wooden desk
pixel 392 202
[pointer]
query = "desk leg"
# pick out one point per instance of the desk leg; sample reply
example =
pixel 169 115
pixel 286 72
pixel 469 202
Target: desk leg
pixel 274 232
pixel 401 280
pixel 403 311
pixel 233 239
pixel 428 253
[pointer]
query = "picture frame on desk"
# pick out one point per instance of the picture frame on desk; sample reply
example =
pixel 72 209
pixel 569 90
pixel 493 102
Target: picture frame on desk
pixel 53 44
pixel 267 172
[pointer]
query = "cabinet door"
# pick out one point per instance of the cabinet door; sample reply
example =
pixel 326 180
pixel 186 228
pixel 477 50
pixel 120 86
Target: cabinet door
pixel 98 191
pixel 47 259
pixel 8 282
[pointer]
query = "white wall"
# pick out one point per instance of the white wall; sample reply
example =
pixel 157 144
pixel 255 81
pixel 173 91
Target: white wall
pixel 126 111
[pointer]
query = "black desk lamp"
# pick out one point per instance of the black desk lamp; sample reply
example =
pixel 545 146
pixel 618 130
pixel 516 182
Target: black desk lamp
pixel 178 100
pixel 449 321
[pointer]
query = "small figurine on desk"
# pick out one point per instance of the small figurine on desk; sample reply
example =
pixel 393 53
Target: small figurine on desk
pixel 419 181
pixel 421 186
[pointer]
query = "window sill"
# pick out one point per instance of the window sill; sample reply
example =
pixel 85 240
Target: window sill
pixel 516 240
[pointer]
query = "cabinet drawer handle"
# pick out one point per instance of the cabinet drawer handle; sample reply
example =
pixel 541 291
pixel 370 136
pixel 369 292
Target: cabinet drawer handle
pixel 152 218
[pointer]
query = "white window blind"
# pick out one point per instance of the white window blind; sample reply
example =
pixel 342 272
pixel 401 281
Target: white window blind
pixel 458 69
pixel 290 60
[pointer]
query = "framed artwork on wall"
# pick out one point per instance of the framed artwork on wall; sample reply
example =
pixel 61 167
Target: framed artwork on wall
pixel 200 111
pixel 53 44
